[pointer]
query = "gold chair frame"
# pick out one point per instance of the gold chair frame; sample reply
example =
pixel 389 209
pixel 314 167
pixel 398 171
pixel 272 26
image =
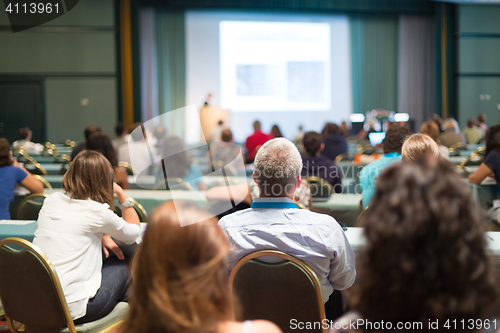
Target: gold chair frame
pixel 29 197
pixel 361 216
pixel 279 254
pixel 44 181
pixel 55 279
pixel 143 215
pixel 127 167
pixel 321 181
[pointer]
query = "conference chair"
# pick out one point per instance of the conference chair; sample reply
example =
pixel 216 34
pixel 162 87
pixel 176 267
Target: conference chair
pixel 35 169
pixel 480 151
pixel 24 157
pixel 279 292
pixel 461 171
pixel 45 183
pixel 32 294
pixel 127 167
pixel 472 160
pixel 70 143
pixel 299 205
pixel 30 206
pixel 62 158
pixel 456 148
pixel 340 157
pixel 320 188
pixel 139 209
pixel 179 184
pixel 361 216
pixel 64 168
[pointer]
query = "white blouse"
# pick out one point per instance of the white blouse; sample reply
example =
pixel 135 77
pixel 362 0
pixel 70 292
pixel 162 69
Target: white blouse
pixel 69 232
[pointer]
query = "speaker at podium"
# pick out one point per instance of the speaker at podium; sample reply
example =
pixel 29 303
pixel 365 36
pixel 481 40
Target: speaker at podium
pixel 210 117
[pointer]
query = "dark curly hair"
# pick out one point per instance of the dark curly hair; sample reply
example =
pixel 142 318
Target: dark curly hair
pixel 425 257
pixel 395 138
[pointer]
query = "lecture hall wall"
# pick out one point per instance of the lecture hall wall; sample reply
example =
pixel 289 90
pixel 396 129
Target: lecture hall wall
pixel 75 55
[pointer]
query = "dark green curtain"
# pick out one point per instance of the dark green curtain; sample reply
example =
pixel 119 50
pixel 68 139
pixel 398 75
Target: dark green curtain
pixel 171 60
pixel 374 62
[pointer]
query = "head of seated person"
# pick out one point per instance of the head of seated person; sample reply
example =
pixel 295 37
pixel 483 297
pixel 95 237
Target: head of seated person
pixel 425 256
pixel 394 139
pixel 24 134
pixel 90 176
pixel 312 144
pixel 420 148
pixel 180 275
pixel 227 135
pixel 277 168
pixel 100 142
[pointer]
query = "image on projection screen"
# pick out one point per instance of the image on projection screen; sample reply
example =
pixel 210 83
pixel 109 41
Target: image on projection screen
pixel 275 66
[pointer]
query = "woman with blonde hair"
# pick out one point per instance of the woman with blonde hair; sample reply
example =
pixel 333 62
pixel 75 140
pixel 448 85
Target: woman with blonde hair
pixel 73 228
pixel 420 148
pixel 432 129
pixel 180 283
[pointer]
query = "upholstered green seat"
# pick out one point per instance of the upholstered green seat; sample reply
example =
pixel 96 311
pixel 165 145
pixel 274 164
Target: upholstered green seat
pixel 30 207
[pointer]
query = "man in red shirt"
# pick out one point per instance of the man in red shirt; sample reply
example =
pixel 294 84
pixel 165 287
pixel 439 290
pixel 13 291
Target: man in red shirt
pixel 254 141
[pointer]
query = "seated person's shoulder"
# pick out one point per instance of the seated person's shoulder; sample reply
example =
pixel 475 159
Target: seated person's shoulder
pixel 319 217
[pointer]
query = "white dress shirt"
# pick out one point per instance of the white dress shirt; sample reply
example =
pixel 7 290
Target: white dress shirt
pixel 317 239
pixel 69 232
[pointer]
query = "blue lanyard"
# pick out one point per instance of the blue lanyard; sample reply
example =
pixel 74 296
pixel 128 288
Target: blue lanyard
pixel 273 205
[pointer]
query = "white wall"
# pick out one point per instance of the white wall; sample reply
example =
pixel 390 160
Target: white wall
pixel 203 73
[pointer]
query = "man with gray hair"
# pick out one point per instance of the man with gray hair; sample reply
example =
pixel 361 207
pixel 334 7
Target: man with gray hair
pixel 274 222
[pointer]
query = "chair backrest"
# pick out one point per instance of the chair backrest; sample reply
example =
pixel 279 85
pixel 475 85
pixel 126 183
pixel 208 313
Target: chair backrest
pixel 340 157
pixel 473 160
pixel 30 289
pixel 128 167
pixel 36 169
pixel 320 188
pixel 45 183
pixel 361 216
pixel 139 209
pixel 277 292
pixel 179 184
pixel 30 206
pixel 64 168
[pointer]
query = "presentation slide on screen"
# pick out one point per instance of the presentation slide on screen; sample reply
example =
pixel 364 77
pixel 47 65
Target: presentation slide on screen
pixel 274 66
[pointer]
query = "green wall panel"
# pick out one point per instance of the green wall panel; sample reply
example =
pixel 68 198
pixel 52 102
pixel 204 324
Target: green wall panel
pixel 85 13
pixel 26 52
pixel 479 55
pixel 470 90
pixel 479 18
pixel 67 117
